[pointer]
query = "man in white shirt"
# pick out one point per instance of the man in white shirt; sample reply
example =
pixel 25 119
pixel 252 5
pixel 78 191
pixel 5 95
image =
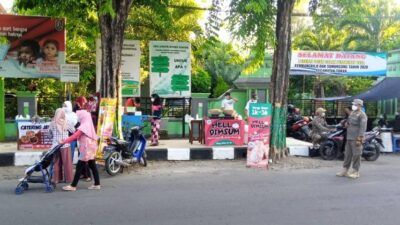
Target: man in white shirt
pixel 253 99
pixel 228 103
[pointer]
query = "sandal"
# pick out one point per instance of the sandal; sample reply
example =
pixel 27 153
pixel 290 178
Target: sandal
pixel 94 187
pixel 88 179
pixel 69 188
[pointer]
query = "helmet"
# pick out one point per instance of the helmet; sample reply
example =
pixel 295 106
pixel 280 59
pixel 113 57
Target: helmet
pixel 319 111
pixel 81 102
pixel 290 108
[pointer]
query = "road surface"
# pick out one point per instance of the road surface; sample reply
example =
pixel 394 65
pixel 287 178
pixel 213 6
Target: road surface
pixel 302 191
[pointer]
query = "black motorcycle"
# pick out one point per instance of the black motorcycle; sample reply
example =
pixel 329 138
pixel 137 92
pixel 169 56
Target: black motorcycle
pixel 332 147
pixel 121 154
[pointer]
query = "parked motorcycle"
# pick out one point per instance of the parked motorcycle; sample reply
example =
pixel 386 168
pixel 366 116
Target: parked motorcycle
pixel 332 147
pixel 298 128
pixel 121 154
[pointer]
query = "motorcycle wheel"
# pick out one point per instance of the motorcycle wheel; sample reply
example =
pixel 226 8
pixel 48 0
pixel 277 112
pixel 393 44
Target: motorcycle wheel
pixel 112 167
pixel 328 150
pixel 375 155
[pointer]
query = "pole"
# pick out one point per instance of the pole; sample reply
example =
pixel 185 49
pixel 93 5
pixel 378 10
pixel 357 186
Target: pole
pixel 2 111
pixel 69 91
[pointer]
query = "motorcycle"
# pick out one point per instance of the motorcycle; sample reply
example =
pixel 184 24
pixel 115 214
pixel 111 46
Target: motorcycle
pixel 119 154
pixel 298 128
pixel 332 147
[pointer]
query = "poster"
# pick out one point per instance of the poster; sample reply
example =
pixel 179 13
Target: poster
pixel 338 63
pixel 130 67
pixel 107 113
pixel 33 136
pixel 170 69
pixel 31 46
pixel 259 123
pixel 224 132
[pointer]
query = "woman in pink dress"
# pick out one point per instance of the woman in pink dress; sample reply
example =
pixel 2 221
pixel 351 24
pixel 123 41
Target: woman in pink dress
pixel 62 170
pixel 87 140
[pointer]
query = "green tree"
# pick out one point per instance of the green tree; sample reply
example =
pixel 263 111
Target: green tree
pixel 220 60
pixel 255 20
pixel 201 81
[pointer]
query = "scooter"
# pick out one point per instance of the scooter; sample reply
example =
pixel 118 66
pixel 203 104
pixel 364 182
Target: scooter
pixel 119 154
pixel 299 128
pixel 332 147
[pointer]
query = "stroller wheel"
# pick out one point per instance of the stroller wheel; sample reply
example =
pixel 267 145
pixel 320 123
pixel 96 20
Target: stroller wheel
pixel 25 185
pixel 49 189
pixel 19 190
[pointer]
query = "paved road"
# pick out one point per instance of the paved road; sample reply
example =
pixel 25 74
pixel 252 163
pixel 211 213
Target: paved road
pixel 224 192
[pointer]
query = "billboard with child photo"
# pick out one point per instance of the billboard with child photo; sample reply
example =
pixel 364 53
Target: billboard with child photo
pixel 31 46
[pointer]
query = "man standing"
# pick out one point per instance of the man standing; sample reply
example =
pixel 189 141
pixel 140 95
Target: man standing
pixel 356 127
pixel 229 102
pixel 253 99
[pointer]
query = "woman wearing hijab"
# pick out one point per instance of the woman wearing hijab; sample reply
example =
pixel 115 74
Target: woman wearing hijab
pixel 72 121
pixel 87 140
pixel 156 110
pixel 81 104
pixel 63 162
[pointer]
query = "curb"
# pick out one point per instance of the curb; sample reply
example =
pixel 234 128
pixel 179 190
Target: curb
pixel 162 154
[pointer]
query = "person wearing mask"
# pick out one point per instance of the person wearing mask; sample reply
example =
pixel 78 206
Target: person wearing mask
pixel 87 139
pixel 319 127
pixel 156 111
pixel 253 99
pixel 62 168
pixel 72 121
pixel 356 127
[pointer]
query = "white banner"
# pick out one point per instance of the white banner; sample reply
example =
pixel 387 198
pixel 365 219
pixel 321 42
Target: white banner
pixel 338 63
pixel 170 69
pixel 130 67
pixel 69 73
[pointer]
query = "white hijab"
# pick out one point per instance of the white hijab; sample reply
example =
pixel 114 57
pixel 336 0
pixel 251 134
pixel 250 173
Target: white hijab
pixel 70 116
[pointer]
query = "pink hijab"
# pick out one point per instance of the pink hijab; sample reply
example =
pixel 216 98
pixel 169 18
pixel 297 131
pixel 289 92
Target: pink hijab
pixel 59 120
pixel 85 119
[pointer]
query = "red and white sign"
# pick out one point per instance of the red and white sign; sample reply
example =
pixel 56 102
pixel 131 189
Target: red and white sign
pixel 224 132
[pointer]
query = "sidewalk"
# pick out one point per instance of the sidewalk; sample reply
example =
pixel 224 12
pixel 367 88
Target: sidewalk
pixel 172 149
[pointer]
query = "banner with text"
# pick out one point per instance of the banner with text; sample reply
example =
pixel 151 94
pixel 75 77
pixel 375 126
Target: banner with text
pixel 33 136
pixel 105 124
pixel 31 46
pixel 259 134
pixel 224 132
pixel 170 69
pixel 130 67
pixel 338 63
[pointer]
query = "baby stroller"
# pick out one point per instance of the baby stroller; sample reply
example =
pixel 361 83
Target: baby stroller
pixel 41 167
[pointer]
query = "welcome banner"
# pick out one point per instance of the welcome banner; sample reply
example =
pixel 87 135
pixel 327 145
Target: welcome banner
pixel 338 63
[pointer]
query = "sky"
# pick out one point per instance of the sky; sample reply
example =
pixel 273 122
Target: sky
pixel 7 4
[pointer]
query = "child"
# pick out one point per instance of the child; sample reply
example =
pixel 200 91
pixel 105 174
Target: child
pixel 50 51
pixel 28 52
pixel 87 140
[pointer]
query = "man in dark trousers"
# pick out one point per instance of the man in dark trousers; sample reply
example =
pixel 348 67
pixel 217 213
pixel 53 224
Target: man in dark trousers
pixel 356 127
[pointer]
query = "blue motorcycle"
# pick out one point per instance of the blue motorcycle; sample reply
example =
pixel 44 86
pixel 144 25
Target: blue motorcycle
pixel 121 154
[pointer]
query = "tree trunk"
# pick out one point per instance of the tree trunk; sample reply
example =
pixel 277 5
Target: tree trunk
pixel 112 29
pixel 280 78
